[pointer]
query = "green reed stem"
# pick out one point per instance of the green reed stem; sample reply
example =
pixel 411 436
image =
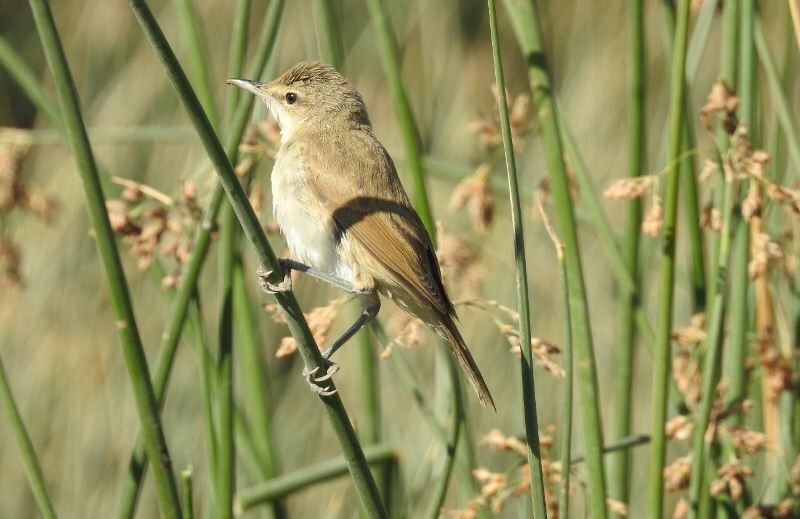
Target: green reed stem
pixel 287 484
pixel 619 463
pixel 253 369
pixel 200 247
pixel 136 362
pixel 33 468
pixel 197 58
pixel 229 241
pixel 661 360
pixel 20 72
pixel 565 446
pixel 712 358
pixel 456 424
pixel 359 471
pixel 783 108
pixel 387 48
pixel 526 23
pixel 523 299
pixel 186 494
pixel 328 36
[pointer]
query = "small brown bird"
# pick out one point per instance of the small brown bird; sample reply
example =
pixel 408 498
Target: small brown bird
pixel 347 220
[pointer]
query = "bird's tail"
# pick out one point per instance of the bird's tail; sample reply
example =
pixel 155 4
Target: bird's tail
pixel 450 333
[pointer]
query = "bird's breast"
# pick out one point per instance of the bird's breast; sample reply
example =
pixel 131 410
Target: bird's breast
pixel 306 224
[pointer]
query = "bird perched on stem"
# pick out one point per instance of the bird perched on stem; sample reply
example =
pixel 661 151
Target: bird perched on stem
pixel 346 217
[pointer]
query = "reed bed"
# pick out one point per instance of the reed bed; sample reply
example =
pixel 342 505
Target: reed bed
pixel 661 140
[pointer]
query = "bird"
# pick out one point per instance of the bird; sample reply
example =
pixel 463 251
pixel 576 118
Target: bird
pixel 346 217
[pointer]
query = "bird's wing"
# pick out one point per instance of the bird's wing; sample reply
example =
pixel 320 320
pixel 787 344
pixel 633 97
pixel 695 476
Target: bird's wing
pixel 355 179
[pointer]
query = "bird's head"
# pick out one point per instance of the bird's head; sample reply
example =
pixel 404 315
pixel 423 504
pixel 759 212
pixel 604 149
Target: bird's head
pixel 309 95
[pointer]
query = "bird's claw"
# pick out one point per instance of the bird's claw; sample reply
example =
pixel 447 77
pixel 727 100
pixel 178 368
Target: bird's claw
pixel 313 382
pixel 274 288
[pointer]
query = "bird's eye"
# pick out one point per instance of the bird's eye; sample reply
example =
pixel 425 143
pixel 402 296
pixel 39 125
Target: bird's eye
pixel 291 98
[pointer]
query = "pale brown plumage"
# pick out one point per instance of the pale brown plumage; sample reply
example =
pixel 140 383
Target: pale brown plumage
pixel 342 176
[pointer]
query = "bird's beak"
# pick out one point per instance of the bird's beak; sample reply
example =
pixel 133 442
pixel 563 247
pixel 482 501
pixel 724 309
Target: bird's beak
pixel 249 85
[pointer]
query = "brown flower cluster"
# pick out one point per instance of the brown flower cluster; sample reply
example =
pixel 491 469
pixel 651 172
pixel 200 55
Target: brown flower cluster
pixel 153 224
pixel 406 331
pixel 542 350
pixel 15 194
pixel 731 479
pixel 320 320
pixel 721 102
pixel 498 487
pixel 488 128
pixel 475 193
pixel 459 263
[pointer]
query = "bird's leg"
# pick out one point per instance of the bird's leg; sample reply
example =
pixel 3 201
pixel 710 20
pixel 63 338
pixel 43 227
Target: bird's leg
pixel 347 286
pixel 371 304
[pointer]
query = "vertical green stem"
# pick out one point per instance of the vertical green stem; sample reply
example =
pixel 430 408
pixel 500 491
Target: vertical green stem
pixel 359 471
pixel 567 399
pixel 661 358
pixel 526 23
pixel 328 35
pixel 32 467
pixel 712 359
pixel 146 402
pixel 619 462
pixel 229 238
pixel 197 57
pixel 523 300
pixel 186 494
pixel 387 47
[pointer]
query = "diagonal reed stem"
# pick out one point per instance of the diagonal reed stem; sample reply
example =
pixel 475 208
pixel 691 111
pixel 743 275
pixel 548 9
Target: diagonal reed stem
pixel 33 468
pixel 136 362
pixel 661 357
pixel 523 300
pixel 356 463
pixel 197 256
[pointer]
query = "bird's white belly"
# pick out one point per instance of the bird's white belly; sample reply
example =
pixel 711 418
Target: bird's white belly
pixel 311 240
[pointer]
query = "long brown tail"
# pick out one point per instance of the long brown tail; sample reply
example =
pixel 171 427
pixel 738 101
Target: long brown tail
pixel 450 333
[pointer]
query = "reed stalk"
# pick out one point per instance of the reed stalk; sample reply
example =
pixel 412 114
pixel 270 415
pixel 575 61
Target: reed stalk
pixel 525 21
pixel 359 471
pixel 229 241
pixel 328 36
pixel 186 494
pixel 198 57
pixel 619 463
pixel 661 357
pixel 523 298
pixel 712 360
pixel 20 72
pixel 291 482
pixel 33 469
pixel 133 352
pixel 200 247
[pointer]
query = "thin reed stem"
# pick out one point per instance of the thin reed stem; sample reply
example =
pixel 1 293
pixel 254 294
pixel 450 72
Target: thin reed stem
pixel 186 494
pixel 33 468
pixel 387 48
pixel 198 57
pixel 136 362
pixel 197 256
pixel 20 72
pixel 291 482
pixel 359 471
pixel 619 463
pixel 525 21
pixel 661 357
pixel 712 359
pixel 329 38
pixel 523 299
pixel 229 244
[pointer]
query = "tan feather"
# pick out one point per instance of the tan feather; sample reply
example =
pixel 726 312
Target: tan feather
pixel 385 238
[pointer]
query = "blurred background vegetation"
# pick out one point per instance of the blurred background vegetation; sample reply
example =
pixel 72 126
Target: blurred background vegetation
pixel 57 333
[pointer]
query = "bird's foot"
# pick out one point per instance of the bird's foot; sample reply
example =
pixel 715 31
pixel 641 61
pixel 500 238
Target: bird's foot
pixel 315 382
pixel 273 288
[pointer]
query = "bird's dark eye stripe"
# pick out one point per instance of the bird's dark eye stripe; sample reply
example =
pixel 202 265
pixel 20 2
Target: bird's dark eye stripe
pixel 291 97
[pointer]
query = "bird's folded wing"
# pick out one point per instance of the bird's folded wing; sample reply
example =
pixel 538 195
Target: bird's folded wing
pixel 358 184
